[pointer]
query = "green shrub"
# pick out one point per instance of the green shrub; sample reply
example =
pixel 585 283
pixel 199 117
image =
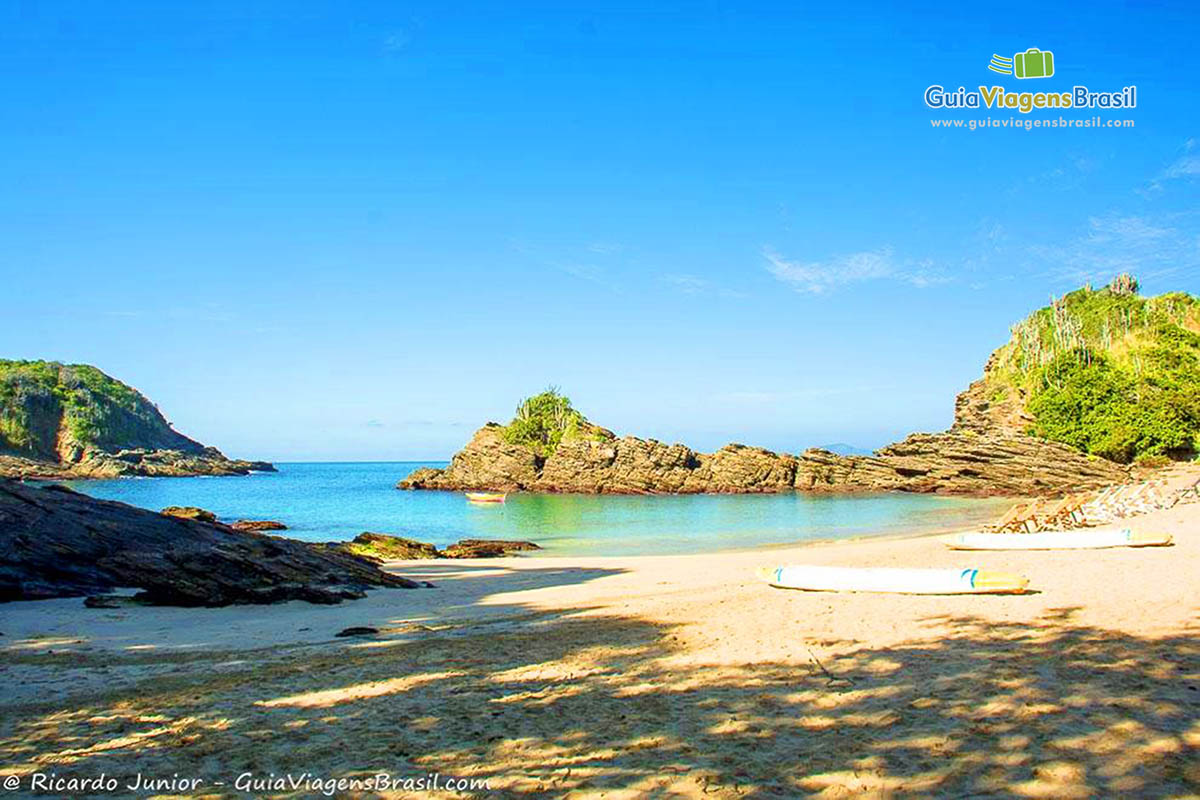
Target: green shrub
pixel 543 421
pixel 1087 401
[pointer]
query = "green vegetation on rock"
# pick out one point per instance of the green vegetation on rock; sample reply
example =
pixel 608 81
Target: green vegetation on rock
pixel 55 411
pixel 1109 372
pixel 545 420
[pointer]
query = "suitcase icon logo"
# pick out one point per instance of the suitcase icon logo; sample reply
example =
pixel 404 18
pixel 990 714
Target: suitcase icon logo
pixel 1033 63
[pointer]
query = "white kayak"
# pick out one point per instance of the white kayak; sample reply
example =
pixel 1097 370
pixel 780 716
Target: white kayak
pixel 898 581
pixel 1056 540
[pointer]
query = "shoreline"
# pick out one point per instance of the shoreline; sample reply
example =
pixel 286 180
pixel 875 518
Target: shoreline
pixel 326 504
pixel 467 590
pixel 628 676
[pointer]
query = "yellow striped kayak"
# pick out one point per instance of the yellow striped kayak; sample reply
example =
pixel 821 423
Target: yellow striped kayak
pixel 1056 540
pixel 893 580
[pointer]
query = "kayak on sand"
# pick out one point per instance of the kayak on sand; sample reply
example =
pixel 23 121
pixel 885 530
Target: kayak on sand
pixel 898 581
pixel 1056 540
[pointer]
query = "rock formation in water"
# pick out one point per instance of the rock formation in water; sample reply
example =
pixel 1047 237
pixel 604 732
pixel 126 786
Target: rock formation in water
pixel 1086 385
pixel 957 461
pixel 57 543
pixel 73 421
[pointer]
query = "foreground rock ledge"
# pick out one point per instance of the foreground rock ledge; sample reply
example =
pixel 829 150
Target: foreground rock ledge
pixel 959 461
pixel 58 543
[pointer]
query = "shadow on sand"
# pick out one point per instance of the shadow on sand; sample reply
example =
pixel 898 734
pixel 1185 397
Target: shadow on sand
pixel 586 704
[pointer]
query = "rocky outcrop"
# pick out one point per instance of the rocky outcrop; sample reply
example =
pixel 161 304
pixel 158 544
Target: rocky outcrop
pixel 493 462
pixel 257 525
pixel 130 463
pixel 486 548
pixel 382 547
pixel 959 461
pixel 987 409
pixel 989 449
pixel 189 512
pixel 73 421
pixel 57 543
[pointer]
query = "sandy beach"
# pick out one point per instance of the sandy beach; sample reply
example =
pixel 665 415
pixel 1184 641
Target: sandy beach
pixel 632 677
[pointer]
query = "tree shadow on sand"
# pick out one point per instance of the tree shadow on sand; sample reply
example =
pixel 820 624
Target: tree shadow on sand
pixel 592 705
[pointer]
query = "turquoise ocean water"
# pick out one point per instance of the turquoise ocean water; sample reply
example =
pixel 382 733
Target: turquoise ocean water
pixel 330 502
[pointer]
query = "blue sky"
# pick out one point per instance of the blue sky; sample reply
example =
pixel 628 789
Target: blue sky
pixel 357 231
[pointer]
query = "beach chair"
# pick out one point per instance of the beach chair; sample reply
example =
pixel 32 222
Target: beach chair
pixel 1034 516
pixel 1098 510
pixel 1075 516
pixel 1042 515
pixel 1059 517
pixel 1114 505
pixel 1056 514
pixel 1157 498
pixel 1137 501
pixel 1010 520
pixel 1188 492
pixel 1180 489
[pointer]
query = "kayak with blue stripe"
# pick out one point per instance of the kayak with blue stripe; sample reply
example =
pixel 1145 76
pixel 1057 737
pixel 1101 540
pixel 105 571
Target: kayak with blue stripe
pixel 895 580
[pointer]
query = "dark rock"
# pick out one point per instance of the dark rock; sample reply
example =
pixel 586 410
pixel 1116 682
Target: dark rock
pixel 486 548
pixel 491 462
pixel 189 512
pixel 57 543
pixel 357 630
pixel 383 547
pixel 113 601
pixel 258 525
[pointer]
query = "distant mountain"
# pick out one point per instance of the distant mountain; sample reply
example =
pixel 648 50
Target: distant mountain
pixel 72 420
pixel 843 449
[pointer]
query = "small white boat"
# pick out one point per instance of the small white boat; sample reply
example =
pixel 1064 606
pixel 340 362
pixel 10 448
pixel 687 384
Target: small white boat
pixel 898 581
pixel 486 497
pixel 1056 540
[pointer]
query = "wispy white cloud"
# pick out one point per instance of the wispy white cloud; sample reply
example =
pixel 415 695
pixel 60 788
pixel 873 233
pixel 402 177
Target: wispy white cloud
pixel 396 42
pixel 694 284
pixel 818 277
pixel 587 272
pixel 598 263
pixel 1146 246
pixel 1184 167
pixel 783 397
pixel 1071 174
pixel 605 248
pixel 1187 165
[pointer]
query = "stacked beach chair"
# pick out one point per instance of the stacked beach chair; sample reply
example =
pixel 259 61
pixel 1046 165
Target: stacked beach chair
pixel 1098 508
pixel 1043 515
